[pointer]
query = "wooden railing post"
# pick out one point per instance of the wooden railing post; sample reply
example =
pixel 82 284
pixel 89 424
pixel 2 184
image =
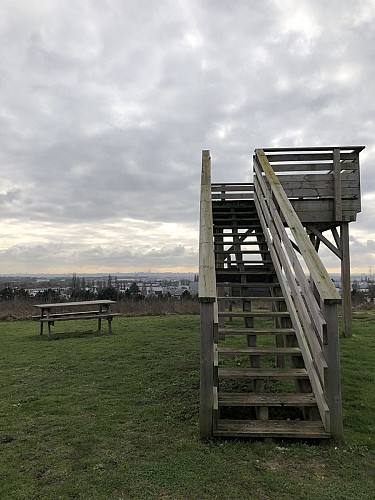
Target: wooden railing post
pixel 207 297
pixel 332 382
pixel 206 370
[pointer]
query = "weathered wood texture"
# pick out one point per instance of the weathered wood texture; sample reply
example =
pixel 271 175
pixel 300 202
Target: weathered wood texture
pixel 207 297
pixel 231 191
pixel 206 370
pixel 207 284
pixel 328 178
pixel 318 272
pixel 49 316
pixel 345 281
pixel 312 328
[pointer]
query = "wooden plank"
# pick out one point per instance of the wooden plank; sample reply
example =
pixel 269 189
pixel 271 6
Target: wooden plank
pixel 260 351
pixel 271 428
pixel 266 399
pixel 233 196
pixel 345 280
pixel 77 316
pixel 207 285
pixel 247 272
pixel 257 331
pixel 333 383
pixel 307 192
pixel 307 157
pixel 75 304
pixel 322 148
pixel 255 314
pixel 315 180
pixel 234 284
pixel 262 373
pixel 337 185
pixel 206 369
pixel 305 167
pixel 82 313
pixel 321 211
pixel 252 298
pixel 231 187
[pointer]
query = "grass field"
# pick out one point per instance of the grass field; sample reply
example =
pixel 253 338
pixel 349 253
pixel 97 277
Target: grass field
pixel 87 416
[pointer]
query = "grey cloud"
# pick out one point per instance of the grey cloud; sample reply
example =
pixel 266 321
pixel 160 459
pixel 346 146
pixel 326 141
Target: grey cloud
pixel 103 115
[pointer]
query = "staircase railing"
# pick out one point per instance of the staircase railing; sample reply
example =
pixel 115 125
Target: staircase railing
pixel 312 305
pixel 208 302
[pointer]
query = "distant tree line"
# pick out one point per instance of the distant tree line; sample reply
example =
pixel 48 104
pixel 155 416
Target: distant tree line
pixel 82 289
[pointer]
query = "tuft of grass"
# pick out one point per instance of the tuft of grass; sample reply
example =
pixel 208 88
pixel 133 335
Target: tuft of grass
pixel 104 416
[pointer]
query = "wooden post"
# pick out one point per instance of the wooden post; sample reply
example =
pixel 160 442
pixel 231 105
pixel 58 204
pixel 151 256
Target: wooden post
pixel 207 297
pixel 332 382
pixel 206 370
pixel 345 281
pixel 337 185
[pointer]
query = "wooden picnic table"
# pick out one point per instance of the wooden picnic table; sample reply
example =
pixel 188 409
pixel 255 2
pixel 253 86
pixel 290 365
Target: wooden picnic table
pixel 99 309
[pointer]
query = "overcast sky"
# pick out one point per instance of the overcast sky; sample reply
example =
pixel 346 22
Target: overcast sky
pixel 105 106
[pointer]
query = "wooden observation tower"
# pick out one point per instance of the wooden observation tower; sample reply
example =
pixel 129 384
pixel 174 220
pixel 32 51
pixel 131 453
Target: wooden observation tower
pixel 270 363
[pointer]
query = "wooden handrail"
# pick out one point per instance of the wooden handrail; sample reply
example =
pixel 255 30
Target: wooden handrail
pixel 325 288
pixel 315 323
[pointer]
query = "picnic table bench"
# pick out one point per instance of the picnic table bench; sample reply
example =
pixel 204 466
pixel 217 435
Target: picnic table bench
pixel 100 309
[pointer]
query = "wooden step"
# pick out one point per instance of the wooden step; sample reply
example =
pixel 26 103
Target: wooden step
pixel 251 298
pixel 240 223
pixel 242 242
pixel 231 212
pixel 251 284
pixel 247 272
pixel 254 314
pixel 247 234
pixel 261 351
pixel 236 261
pixel 245 252
pixel 256 331
pixel 234 224
pixel 262 373
pixel 271 429
pixel 266 399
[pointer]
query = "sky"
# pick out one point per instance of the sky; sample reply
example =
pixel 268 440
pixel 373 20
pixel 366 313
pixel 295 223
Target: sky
pixel 106 105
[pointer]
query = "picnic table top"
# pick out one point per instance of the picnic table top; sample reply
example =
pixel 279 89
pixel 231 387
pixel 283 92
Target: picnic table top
pixel 76 304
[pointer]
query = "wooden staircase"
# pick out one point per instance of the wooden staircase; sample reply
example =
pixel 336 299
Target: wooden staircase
pixel 263 388
pixel 269 336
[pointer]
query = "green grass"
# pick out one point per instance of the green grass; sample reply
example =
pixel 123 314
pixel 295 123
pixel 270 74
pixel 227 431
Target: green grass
pixel 87 416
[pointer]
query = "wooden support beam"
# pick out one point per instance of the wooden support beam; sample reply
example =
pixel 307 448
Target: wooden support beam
pixel 333 382
pixel 337 184
pixel 345 281
pixel 323 239
pixel 206 369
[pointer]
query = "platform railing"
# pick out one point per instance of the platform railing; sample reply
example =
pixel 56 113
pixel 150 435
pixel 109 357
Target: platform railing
pixel 327 173
pixel 232 191
pixel 208 302
pixel 312 304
